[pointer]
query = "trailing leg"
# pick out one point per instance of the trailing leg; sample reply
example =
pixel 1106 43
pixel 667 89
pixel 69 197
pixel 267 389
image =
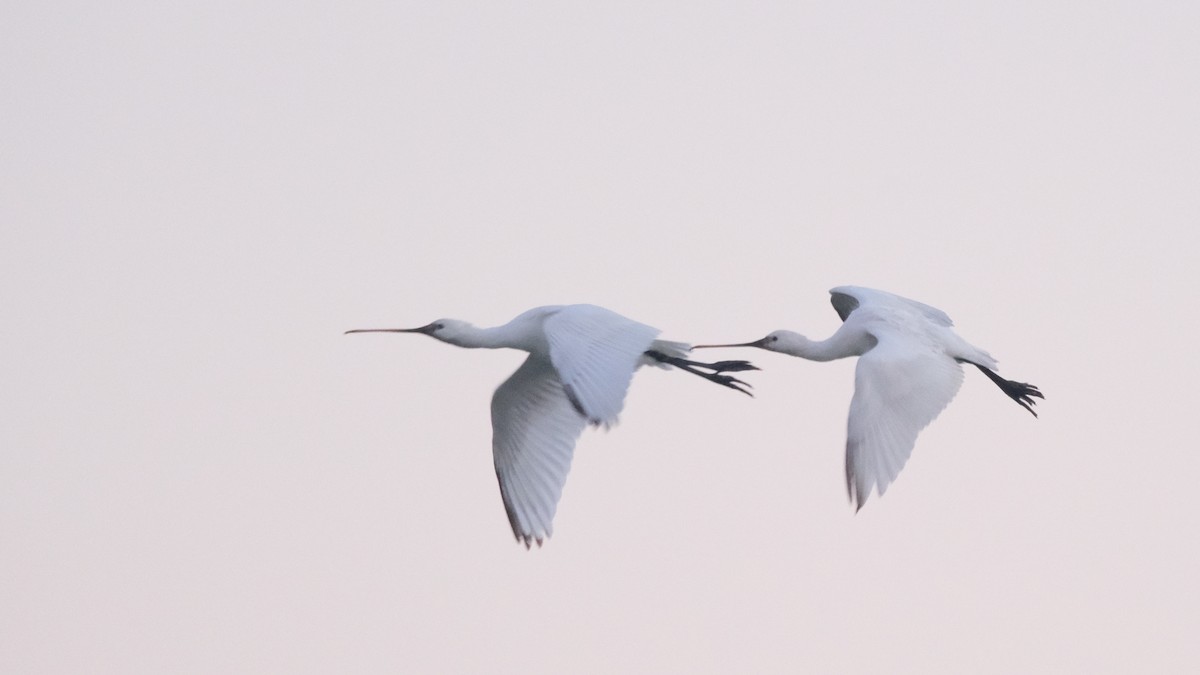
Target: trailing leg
pixel 694 367
pixel 1020 392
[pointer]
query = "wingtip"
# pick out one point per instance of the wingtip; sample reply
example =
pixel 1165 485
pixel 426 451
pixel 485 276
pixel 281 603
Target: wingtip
pixel 857 499
pixel 529 540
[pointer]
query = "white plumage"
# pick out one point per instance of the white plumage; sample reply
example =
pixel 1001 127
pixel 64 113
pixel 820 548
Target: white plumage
pixel 908 371
pixel 581 361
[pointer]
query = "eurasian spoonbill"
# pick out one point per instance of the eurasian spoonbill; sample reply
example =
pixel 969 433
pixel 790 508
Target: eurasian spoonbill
pixel 908 371
pixel 581 360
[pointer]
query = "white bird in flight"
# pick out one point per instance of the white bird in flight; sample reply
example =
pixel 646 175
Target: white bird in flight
pixel 908 371
pixel 581 360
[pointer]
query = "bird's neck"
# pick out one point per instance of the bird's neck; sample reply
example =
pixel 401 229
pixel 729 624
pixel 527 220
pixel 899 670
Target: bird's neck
pixel 838 346
pixel 485 338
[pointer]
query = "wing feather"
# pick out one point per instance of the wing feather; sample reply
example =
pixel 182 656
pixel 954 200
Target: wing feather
pixel 846 299
pixel 843 303
pixel 596 352
pixel 900 386
pixel 534 429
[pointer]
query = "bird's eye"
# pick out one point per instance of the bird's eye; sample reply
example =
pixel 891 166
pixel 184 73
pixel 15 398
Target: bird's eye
pixel 439 326
pixel 774 338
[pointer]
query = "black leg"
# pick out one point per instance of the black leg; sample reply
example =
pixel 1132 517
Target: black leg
pixel 1020 392
pixel 722 366
pixel 719 367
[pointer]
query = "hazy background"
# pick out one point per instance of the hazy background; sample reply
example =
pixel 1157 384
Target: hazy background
pixel 200 474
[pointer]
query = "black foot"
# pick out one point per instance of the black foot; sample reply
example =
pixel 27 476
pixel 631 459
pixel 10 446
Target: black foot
pixel 725 366
pixel 1020 392
pixel 1023 394
pixel 723 380
pixel 717 368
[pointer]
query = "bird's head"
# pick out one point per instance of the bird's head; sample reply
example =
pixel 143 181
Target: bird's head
pixel 778 341
pixel 452 331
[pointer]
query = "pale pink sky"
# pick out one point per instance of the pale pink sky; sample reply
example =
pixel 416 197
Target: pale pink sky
pixel 200 474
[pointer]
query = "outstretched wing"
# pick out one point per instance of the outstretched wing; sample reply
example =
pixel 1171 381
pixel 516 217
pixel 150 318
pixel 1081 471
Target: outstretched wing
pixel 846 299
pixel 900 386
pixel 596 352
pixel 534 429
